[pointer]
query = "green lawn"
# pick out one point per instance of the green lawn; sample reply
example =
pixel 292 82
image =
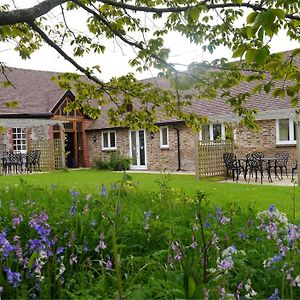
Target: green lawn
pixel 259 196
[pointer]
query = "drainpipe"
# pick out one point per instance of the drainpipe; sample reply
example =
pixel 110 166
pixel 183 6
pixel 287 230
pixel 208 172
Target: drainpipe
pixel 178 149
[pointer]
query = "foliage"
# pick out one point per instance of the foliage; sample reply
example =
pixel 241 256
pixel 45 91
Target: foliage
pixel 57 243
pixel 246 28
pixel 116 162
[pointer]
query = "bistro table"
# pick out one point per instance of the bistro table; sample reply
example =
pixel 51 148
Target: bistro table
pixel 256 165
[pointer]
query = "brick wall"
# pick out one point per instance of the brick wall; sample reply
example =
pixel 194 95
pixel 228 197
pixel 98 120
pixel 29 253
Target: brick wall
pixel 264 141
pixel 158 159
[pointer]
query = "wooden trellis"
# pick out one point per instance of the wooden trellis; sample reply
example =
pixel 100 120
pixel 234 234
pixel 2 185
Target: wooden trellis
pixel 57 154
pixel 210 158
pixel 47 153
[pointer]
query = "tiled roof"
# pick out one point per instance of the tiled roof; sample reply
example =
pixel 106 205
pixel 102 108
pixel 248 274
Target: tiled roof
pixel 34 90
pixel 38 94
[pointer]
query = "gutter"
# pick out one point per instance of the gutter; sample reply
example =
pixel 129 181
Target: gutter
pixel 178 149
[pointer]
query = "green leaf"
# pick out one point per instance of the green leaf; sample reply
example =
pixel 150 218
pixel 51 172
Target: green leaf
pixel 261 56
pixel 294 102
pixel 249 56
pixel 239 51
pixel 250 19
pixel 279 13
pixel 194 13
pixel 279 92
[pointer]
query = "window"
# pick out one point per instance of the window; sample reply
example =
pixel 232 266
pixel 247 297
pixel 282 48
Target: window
pixel 285 131
pixel 164 137
pixel 212 132
pixel 109 140
pixel 19 139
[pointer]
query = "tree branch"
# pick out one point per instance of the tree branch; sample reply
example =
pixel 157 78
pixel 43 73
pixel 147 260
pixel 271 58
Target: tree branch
pixel 28 14
pixel 178 9
pixel 44 36
pixel 120 36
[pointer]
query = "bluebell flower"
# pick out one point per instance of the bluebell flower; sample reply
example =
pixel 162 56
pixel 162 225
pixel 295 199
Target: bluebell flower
pixel 75 194
pixel 14 278
pixel 73 209
pixel 272 208
pixel 103 192
pixel 60 250
pixel 275 295
pixel 207 224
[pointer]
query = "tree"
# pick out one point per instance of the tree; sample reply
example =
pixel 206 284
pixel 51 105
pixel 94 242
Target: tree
pixel 245 27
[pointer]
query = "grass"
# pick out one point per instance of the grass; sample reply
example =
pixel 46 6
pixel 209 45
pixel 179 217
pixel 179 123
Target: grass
pixel 256 196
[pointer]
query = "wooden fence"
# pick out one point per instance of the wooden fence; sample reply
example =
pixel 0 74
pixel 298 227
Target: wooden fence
pixel 47 153
pixel 210 158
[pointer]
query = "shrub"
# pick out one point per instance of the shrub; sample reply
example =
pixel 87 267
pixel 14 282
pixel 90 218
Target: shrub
pixel 116 162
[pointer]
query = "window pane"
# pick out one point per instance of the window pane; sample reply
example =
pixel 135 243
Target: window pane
pixel 164 136
pixel 205 132
pixel 295 131
pixel 105 140
pixel 112 139
pixel 284 134
pixel 217 132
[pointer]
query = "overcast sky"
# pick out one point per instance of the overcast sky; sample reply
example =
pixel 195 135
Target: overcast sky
pixel 115 61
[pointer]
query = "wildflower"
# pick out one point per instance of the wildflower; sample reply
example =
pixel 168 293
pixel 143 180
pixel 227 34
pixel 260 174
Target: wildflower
pixel 207 224
pixel 177 249
pixel 75 194
pixel 60 250
pixel 101 244
pixel 62 268
pixel 297 280
pixel 248 287
pixel 17 220
pixel 14 278
pixel 73 209
pixel 242 235
pixel 93 223
pixel 224 220
pixel 103 192
pixel 85 248
pixel 73 259
pixel 108 263
pixel 272 208
pixel 283 250
pixel 54 186
pixel 194 242
pixel 275 295
pixel 195 228
pixel 88 197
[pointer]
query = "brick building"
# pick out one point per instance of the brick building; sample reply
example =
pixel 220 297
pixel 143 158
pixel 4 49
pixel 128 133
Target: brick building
pixel 40 119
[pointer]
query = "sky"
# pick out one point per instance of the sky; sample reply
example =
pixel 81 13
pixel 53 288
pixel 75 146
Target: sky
pixel 115 60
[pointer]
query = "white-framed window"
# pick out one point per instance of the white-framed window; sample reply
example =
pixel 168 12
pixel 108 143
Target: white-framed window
pixel 285 132
pixel 164 137
pixel 109 141
pixel 19 139
pixel 212 132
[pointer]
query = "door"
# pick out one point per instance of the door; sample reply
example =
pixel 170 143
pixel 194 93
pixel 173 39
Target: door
pixel 138 149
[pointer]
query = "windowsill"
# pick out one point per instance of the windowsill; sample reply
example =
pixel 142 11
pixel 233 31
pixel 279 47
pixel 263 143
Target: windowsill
pixel 287 144
pixel 164 147
pixel 108 149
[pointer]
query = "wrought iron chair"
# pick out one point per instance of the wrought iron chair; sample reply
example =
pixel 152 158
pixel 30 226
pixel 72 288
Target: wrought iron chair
pixel 281 162
pixel 232 166
pixel 29 161
pixel 255 165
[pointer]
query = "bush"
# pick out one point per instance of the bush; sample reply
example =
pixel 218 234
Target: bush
pixel 116 162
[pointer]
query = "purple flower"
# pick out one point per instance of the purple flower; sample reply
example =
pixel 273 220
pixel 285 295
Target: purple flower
pixel 85 248
pixel 73 209
pixel 101 244
pixel 17 221
pixel 276 258
pixel 108 263
pixel 103 192
pixel 207 224
pixel 194 242
pixel 177 249
pixel 147 214
pixel 272 208
pixel 225 264
pixel 275 295
pixel 75 194
pixel 14 278
pixel 60 250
